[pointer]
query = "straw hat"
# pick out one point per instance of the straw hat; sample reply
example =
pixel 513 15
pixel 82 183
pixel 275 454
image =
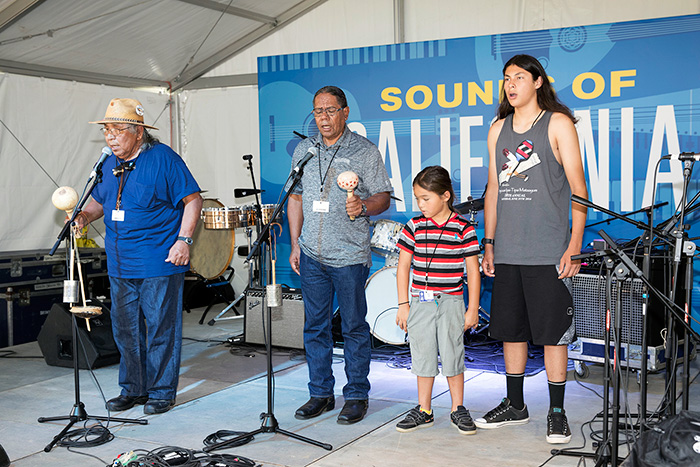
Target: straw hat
pixel 125 111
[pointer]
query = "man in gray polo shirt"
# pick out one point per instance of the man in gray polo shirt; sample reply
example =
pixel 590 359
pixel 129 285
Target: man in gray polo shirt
pixel 330 251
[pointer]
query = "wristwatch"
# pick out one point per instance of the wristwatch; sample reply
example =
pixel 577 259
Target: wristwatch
pixel 364 210
pixel 187 240
pixel 487 241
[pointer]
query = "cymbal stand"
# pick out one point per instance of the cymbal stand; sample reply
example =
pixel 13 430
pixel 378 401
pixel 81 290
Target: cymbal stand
pixel 269 422
pixel 78 413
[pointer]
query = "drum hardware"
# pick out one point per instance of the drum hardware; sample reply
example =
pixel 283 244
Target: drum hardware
pixel 252 278
pixel 210 256
pixel 249 217
pixel 471 206
pixel 385 237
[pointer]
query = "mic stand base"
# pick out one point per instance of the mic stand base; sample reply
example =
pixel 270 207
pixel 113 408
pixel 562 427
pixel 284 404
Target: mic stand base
pixel 269 425
pixel 602 460
pixel 78 414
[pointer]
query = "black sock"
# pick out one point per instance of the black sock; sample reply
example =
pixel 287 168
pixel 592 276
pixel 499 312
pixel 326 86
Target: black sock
pixel 556 394
pixel 514 388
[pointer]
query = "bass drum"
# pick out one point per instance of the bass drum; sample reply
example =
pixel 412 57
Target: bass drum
pixel 382 298
pixel 212 250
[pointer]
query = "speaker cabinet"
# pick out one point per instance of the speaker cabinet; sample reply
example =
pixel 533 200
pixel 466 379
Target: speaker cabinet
pixel 589 316
pixel 56 339
pixel 287 320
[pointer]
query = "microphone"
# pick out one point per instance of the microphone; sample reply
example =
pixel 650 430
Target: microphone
pixel 684 156
pixel 106 152
pixel 243 192
pixel 247 157
pixel 313 151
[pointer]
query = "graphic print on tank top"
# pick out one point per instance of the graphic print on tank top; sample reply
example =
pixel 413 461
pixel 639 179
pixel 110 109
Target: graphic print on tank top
pixel 524 159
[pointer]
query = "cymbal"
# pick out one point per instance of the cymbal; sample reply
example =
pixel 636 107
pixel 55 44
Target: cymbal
pixel 470 205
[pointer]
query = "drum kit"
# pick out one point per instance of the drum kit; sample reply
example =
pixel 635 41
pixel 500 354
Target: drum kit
pixel 380 290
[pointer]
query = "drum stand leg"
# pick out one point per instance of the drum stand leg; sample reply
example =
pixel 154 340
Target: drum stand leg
pixel 225 310
pixel 218 317
pixel 217 294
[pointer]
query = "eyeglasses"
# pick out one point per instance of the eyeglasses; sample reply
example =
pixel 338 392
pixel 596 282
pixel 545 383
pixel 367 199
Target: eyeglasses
pixel 330 111
pixel 113 131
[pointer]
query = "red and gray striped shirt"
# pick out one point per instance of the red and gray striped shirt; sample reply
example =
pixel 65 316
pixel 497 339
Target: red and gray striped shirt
pixel 439 251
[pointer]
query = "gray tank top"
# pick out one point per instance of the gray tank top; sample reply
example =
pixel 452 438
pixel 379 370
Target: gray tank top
pixel 533 197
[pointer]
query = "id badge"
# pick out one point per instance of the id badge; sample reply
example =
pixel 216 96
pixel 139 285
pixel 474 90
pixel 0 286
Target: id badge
pixel 118 215
pixel 321 206
pixel 426 295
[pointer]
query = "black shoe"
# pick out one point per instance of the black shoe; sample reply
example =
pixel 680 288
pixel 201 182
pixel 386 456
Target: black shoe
pixel 353 411
pixel 121 403
pixel 154 406
pixel 315 407
pixel 415 419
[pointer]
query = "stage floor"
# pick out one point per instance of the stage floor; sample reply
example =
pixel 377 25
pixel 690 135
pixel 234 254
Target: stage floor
pixel 224 390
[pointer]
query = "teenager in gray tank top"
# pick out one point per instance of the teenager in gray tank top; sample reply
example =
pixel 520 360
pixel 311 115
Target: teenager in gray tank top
pixel 533 197
pixel 534 166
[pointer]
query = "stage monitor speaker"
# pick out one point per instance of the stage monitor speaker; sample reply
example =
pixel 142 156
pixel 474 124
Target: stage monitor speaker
pixel 287 320
pixel 56 339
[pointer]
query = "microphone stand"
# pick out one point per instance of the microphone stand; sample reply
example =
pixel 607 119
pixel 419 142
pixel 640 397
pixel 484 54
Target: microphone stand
pixel 647 209
pixel 252 266
pixel 650 232
pixel 607 449
pixel 269 422
pixel 78 413
pixel 671 350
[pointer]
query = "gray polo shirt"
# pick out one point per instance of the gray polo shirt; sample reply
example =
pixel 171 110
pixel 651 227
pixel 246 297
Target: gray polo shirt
pixel 331 238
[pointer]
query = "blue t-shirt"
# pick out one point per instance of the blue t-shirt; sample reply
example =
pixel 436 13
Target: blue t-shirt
pixel 152 204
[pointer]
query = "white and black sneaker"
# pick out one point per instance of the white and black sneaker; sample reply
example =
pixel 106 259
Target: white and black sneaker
pixel 415 419
pixel 504 414
pixel 558 431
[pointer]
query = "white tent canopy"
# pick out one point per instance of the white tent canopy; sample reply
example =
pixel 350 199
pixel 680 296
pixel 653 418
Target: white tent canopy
pixel 134 42
pixel 193 66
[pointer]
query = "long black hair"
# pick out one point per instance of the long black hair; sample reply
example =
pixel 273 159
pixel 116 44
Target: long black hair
pixel 546 97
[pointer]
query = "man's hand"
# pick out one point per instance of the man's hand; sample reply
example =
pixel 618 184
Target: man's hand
pixel 353 206
pixel 179 254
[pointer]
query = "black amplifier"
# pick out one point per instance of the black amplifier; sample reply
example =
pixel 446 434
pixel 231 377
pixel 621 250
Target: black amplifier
pixel 32 281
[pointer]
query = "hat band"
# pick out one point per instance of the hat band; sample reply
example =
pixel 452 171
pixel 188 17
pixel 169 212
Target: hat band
pixel 122 119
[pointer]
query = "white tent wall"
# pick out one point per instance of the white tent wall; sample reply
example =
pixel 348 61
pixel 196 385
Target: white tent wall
pixel 47 142
pixel 217 128
pixel 221 125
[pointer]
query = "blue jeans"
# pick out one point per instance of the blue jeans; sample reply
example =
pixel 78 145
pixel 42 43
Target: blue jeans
pixel 318 285
pixel 147 325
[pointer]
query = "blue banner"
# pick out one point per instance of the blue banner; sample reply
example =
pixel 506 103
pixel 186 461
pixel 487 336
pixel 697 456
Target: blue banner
pixel 633 85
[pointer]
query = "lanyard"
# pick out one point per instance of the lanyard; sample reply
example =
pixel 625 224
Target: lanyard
pixel 122 183
pixel 432 255
pixel 324 176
